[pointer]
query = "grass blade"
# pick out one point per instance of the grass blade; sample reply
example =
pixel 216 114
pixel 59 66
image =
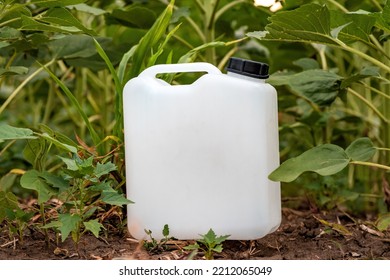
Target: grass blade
pixel 95 137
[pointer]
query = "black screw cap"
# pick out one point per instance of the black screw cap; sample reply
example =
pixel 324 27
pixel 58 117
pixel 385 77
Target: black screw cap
pixel 248 68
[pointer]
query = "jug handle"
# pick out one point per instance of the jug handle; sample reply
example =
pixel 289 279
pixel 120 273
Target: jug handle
pixel 179 68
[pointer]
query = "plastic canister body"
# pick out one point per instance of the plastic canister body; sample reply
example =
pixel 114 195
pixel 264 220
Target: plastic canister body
pixel 198 156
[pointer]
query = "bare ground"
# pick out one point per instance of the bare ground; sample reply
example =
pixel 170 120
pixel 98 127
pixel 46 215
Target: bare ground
pixel 302 235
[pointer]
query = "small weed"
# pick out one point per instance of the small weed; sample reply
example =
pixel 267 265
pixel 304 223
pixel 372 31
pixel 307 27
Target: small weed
pixel 157 246
pixel 209 244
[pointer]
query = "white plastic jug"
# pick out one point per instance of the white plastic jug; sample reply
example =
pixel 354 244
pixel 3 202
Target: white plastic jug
pixel 198 156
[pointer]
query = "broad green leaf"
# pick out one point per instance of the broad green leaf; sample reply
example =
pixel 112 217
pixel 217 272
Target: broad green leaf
pixel 327 159
pixel 57 135
pixel 383 18
pixel 9 33
pixel 114 198
pixel 102 186
pixel 13 70
pixel 32 180
pixel 35 150
pixel 313 23
pixel 87 9
pixel 55 181
pixel 8 132
pixel 307 63
pixel 53 224
pixel 7 201
pixel 33 25
pixel 69 222
pixel 56 3
pixel 93 226
pixel 13 13
pixel 309 23
pixel 210 236
pixel 361 149
pixel 63 17
pixel 355 26
pixel 104 169
pixel 73 46
pixel 7 181
pixel 319 86
pixel 221 238
pixel 218 248
pixel 366 72
pixel 71 164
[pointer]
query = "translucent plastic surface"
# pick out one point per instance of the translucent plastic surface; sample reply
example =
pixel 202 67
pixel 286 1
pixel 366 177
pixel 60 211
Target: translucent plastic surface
pixel 198 156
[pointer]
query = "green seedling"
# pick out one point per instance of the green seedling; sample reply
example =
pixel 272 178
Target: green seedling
pixel 10 213
pixel 209 244
pixel 154 245
pixel 86 187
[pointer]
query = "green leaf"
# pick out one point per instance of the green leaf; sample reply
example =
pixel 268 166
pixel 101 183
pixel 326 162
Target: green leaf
pixel 55 3
pixel 149 41
pixel 165 230
pixel 191 55
pixel 383 222
pixel 210 236
pixel 7 181
pixel 102 186
pixel 70 163
pixel 327 159
pixel 95 137
pixel 366 72
pixel 13 70
pixel 104 169
pixel 34 151
pixel 55 181
pixel 7 201
pixel 361 149
pixel 33 25
pixel 93 226
pixel 313 23
pixel 8 132
pixel 114 198
pixel 87 9
pixel 194 246
pixel 355 26
pixel 58 144
pixel 63 17
pixel 307 63
pixel 32 180
pixel 218 248
pixel 53 224
pixel 9 33
pixel 69 223
pixel 73 46
pixel 309 23
pixel 319 86
pixel 383 18
pixel 132 16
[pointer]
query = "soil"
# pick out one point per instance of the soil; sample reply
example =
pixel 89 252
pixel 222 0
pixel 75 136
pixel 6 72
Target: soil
pixel 302 235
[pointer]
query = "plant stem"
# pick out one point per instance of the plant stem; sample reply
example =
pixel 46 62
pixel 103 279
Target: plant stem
pixel 364 56
pixel 371 164
pixel 369 104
